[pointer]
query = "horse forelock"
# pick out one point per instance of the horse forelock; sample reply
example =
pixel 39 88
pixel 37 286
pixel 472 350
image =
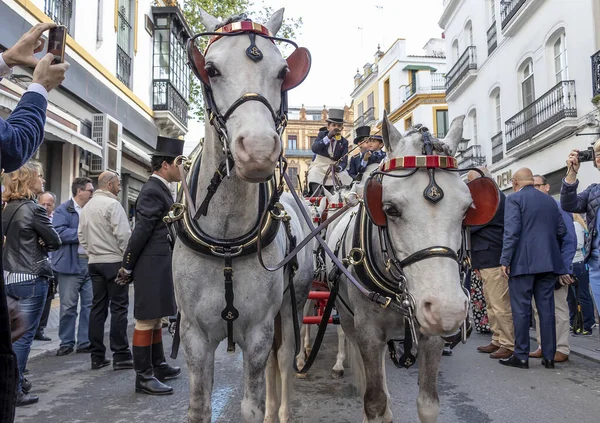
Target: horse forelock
pixel 416 138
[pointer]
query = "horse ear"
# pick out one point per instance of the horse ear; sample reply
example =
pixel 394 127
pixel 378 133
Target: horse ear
pixel 486 199
pixel 455 134
pixel 373 198
pixel 209 21
pixel 274 24
pixel 299 65
pixel 391 136
pixel 196 60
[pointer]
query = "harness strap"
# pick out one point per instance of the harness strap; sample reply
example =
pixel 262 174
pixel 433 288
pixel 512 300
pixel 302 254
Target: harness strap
pixel 215 182
pixel 184 184
pixel 176 337
pixel 229 313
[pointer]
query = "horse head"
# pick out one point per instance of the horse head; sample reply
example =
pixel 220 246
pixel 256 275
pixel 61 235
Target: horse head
pixel 416 223
pixel 246 77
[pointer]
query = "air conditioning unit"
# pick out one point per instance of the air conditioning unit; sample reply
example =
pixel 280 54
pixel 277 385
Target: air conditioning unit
pixel 107 132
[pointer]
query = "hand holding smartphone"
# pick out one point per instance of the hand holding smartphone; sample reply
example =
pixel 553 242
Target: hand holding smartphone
pixel 57 40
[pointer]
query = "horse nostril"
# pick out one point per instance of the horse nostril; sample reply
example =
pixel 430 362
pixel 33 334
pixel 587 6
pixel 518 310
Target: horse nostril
pixel 427 305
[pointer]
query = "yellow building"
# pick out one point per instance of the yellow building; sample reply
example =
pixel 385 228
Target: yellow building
pixel 365 97
pixel 301 131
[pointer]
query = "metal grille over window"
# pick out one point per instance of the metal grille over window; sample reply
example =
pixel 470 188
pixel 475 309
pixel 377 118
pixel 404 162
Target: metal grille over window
pixel 124 38
pixel 61 12
pixel 596 73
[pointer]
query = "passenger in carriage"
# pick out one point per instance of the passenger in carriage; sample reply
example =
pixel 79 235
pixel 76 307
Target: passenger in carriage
pixel 362 136
pixel 329 148
pixel 372 155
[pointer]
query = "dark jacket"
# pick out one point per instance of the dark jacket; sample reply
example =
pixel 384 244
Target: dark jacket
pixel 148 254
pixel 356 167
pixel 25 223
pixel 341 149
pixel 486 240
pixel 66 222
pixel 20 137
pixel 535 235
pixel 586 202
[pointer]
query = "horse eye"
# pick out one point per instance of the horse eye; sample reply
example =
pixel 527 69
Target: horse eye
pixel 392 211
pixel 283 73
pixel 211 70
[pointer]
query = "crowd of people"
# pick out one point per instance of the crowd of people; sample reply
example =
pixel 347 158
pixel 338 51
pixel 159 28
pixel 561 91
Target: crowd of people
pixel 536 260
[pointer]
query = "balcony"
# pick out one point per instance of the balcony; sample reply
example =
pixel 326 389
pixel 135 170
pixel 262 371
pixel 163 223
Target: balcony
pixel 596 74
pixel 61 12
pixel 291 152
pixel 369 116
pixel 409 91
pixel 509 10
pixel 554 106
pixel 514 14
pixel 123 67
pixel 438 81
pixel 471 157
pixel 359 121
pixel 492 38
pixel 167 99
pixel 462 70
pixel 497 148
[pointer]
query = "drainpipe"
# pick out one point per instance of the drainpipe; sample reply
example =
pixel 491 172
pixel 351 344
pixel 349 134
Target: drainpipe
pixel 99 23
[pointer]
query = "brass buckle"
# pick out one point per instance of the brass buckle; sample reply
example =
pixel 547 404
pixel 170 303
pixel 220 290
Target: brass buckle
pixel 175 213
pixel 352 256
pixel 278 212
pixel 388 300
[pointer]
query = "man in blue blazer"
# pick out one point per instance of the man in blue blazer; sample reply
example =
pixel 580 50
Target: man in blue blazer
pixel 534 238
pixel 362 136
pixel 20 136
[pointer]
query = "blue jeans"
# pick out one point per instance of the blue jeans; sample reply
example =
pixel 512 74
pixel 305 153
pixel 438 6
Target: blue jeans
pixel 32 297
pixel 594 270
pixel 71 288
pixel 585 297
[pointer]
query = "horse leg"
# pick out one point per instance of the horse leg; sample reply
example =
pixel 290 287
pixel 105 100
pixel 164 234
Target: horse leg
pixel 272 401
pixel 430 354
pixel 258 345
pixel 285 358
pixel 305 336
pixel 200 358
pixel 338 368
pixel 375 399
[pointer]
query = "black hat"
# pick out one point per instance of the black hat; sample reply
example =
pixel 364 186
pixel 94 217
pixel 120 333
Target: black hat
pixel 362 132
pixel 169 147
pixel 335 116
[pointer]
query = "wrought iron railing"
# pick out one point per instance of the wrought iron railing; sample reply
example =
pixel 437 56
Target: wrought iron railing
pixel 466 63
pixel 438 81
pixel 553 106
pixel 497 147
pixel 409 91
pixel 166 97
pixel 369 115
pixel 510 9
pixel 471 157
pixel 60 11
pixel 295 152
pixel 359 121
pixel 123 66
pixel 492 38
pixel 596 74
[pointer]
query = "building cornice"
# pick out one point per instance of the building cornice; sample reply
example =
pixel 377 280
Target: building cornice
pixel 449 9
pixel 365 83
pixel 414 102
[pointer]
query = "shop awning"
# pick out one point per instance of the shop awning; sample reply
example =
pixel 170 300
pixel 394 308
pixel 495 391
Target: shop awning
pixel 419 68
pixel 55 131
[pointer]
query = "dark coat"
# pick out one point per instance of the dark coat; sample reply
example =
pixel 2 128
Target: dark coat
pixel 535 235
pixel 148 254
pixel 486 240
pixel 25 223
pixel 341 150
pixel 66 222
pixel 354 165
pixel 586 202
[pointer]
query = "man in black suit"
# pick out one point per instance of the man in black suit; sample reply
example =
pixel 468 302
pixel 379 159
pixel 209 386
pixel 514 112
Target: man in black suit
pixel 329 148
pixel 486 248
pixel 370 153
pixel 362 136
pixel 534 236
pixel 148 261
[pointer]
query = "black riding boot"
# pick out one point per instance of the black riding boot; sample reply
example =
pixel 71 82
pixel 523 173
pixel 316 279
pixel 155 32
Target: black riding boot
pixel 162 370
pixel 142 363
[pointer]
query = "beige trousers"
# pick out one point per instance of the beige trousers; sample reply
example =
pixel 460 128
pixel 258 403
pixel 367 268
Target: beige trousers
pixel 561 310
pixel 497 298
pixel 148 324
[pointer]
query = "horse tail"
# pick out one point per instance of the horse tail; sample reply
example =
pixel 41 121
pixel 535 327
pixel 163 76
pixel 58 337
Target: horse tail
pixel 358 368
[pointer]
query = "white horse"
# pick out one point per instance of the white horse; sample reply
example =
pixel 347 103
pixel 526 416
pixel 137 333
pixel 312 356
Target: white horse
pixel 264 328
pixel 440 305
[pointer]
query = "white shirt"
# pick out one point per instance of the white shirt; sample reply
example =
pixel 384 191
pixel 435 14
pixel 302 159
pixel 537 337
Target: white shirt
pixel 34 87
pixel 163 180
pixel 80 250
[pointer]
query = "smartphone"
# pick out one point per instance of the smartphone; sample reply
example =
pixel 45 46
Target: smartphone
pixel 57 41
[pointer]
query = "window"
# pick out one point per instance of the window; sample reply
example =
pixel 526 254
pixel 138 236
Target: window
pixel 386 95
pixel 124 42
pixel 311 141
pixel 497 113
pixel 292 142
pixel 492 11
pixel 293 174
pixel 370 112
pixel 560 59
pixel 361 109
pixel 441 123
pixel 527 84
pixel 455 50
pixel 469 34
pixel 408 123
pixel 473 127
pixel 61 12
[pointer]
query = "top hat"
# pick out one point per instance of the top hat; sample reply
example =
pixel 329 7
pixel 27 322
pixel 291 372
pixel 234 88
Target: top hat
pixel 168 147
pixel 362 132
pixel 335 116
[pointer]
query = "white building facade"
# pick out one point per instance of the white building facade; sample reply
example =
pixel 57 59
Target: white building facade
pixel 520 71
pixel 128 82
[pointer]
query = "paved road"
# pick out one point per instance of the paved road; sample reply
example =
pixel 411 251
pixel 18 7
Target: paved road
pixel 473 388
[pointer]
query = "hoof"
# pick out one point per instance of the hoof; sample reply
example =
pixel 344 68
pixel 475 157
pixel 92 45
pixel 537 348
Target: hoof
pixel 337 374
pixel 301 375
